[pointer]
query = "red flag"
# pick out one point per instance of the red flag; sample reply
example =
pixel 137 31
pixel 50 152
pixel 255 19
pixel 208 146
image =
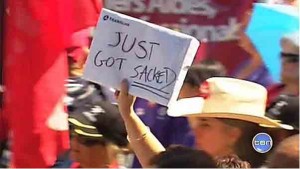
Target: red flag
pixel 3 127
pixel 86 13
pixel 85 21
pixel 36 33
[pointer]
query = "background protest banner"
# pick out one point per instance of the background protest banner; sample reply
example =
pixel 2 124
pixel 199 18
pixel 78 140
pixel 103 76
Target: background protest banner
pixel 217 21
pixel 154 59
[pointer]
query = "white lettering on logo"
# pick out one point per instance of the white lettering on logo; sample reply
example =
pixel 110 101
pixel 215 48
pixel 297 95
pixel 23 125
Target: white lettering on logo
pixel 226 32
pixel 213 33
pixel 193 7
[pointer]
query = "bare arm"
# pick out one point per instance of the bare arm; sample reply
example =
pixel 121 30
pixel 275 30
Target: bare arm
pixel 246 43
pixel 143 142
pixel 255 60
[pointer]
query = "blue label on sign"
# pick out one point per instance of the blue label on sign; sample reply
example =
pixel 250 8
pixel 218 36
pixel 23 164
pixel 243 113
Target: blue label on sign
pixel 262 142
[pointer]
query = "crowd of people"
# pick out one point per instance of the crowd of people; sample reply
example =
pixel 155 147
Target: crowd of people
pixel 113 129
pixel 106 131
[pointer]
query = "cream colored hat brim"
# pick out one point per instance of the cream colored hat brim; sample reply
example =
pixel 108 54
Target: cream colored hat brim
pixel 186 106
pixel 227 98
pixel 264 121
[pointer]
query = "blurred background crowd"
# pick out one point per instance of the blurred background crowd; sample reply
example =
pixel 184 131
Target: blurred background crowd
pixel 51 117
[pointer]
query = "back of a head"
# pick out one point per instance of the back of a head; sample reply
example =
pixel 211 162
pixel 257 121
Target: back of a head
pixel 208 68
pixel 111 124
pixel 100 120
pixel 231 161
pixel 286 155
pixel 183 157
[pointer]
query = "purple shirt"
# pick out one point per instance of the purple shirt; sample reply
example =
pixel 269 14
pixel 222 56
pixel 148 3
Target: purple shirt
pixel 261 75
pixel 168 130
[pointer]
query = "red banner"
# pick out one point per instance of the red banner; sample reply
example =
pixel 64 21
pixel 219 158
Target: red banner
pixel 35 71
pixel 86 13
pixel 216 21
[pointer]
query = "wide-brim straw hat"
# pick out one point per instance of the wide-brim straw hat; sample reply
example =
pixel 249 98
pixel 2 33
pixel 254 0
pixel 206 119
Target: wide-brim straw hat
pixel 227 98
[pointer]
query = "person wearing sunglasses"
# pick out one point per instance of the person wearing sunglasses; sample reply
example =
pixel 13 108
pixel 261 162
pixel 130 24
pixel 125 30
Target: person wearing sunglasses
pixel 289 57
pixel 290 63
pixel 98 135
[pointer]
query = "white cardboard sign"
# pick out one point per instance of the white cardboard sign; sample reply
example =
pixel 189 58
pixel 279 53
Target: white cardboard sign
pixel 153 59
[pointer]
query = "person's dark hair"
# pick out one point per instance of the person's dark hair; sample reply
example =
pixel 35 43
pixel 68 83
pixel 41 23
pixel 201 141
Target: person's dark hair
pixel 286 109
pixel 286 154
pixel 205 69
pixel 111 125
pixel 87 141
pixel 183 157
pixel 231 161
pixel 243 147
pixel 105 120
